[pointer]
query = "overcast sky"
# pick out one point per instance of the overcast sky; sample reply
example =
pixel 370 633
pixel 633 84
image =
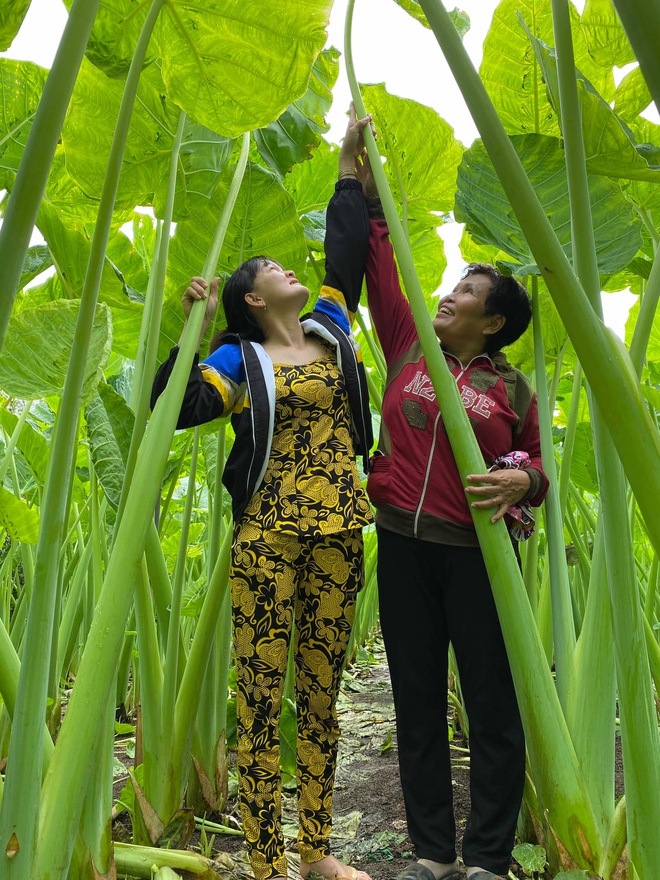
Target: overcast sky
pixel 388 46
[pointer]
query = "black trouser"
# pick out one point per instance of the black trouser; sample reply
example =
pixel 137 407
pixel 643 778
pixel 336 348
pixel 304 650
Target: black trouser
pixel 430 595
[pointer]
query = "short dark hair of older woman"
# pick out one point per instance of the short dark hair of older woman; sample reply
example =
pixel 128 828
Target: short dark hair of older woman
pixel 507 297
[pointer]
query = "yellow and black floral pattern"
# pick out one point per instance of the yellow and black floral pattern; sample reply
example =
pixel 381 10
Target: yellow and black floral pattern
pixel 311 484
pixel 297 554
pixel 276 576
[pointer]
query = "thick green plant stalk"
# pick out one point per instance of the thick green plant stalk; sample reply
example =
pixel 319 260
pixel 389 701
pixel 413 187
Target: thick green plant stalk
pixel 20 809
pixel 647 312
pixel 592 700
pixel 563 627
pixel 606 364
pixel 27 192
pixel 555 764
pixel 187 699
pixel 569 439
pixel 639 725
pixel 10 445
pixel 146 358
pixel 641 22
pixel 139 861
pixel 67 778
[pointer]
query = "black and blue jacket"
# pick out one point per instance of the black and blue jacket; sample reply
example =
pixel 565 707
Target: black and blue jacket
pixel 237 380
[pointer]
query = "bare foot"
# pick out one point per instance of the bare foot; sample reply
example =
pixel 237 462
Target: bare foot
pixel 332 869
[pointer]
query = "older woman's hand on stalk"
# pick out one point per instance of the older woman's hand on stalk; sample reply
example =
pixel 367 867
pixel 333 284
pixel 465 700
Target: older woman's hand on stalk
pixel 353 160
pixel 504 488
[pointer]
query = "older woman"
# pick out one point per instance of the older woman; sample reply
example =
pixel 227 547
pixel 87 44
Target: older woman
pixel 295 390
pixel 433 584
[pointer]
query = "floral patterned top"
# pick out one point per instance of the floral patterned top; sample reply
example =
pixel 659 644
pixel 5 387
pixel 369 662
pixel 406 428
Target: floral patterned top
pixel 311 486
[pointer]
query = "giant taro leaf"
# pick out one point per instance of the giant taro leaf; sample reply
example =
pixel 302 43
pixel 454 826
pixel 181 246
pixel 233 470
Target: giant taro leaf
pixel 236 66
pixel 35 357
pixel 109 425
pixel 264 221
pixel 12 13
pixel 37 260
pixel 89 128
pixel 606 39
pixel 20 521
pixel 608 143
pixel 292 137
pixel 422 153
pixel 32 445
pixel 482 204
pixel 632 95
pixel 511 72
pixel 461 19
pixel 116 29
pixel 21 84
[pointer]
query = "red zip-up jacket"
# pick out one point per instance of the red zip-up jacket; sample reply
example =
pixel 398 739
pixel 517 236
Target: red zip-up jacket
pixel 414 482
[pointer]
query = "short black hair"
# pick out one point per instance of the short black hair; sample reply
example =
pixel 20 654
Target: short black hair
pixel 507 297
pixel 238 314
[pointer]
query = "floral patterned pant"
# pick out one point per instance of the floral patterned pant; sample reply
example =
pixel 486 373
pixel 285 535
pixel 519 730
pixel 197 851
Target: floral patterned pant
pixel 275 578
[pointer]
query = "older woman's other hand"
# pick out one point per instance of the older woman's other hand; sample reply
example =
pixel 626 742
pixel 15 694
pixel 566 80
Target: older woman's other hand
pixel 503 489
pixel 352 152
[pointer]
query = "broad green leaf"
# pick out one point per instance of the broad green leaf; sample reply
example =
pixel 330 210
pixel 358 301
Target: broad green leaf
pixel 109 424
pixel 89 128
pixel 482 204
pixel 35 356
pixel 236 66
pixel 20 521
pixel 583 463
pixel 209 443
pixel 37 260
pixel 264 221
pixel 461 19
pixel 511 73
pixel 604 34
pixel 428 251
pixel 292 137
pixel 521 353
pixel 32 446
pixel 632 96
pixel 116 29
pixel 422 153
pixel 653 396
pixel 311 183
pixel 532 858
pixel 12 13
pixel 609 146
pixel 21 84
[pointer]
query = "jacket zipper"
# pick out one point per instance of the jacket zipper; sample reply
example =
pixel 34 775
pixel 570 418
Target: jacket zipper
pixel 426 476
pixel 418 512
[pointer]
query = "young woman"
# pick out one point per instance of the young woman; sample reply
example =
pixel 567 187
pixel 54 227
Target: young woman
pixel 296 393
pixel 427 541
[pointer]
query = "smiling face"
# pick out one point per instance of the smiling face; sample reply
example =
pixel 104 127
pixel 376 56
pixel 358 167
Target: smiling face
pixel 460 322
pixel 277 290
